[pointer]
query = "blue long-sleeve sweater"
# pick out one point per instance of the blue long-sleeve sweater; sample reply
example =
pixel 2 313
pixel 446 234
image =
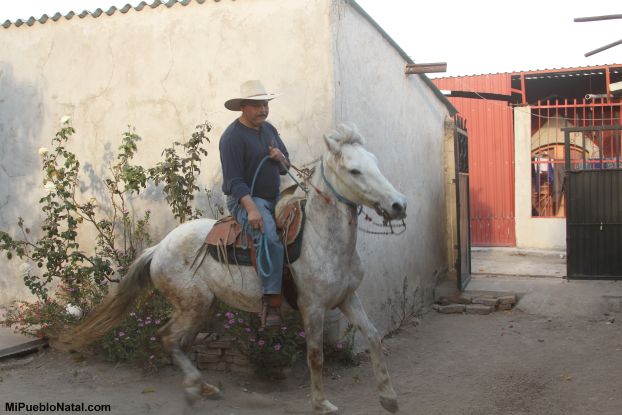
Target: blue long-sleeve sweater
pixel 241 150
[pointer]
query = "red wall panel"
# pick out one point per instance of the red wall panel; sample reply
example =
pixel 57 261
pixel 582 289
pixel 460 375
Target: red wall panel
pixel 491 157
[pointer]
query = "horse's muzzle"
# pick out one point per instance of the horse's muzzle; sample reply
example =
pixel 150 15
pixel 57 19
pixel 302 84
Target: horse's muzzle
pixel 396 210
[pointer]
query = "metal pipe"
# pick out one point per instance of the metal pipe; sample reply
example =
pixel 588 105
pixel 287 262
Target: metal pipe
pixel 596 18
pixel 593 96
pixel 595 51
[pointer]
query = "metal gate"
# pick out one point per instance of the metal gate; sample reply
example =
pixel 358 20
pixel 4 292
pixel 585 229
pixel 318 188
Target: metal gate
pixel 461 151
pixel 593 202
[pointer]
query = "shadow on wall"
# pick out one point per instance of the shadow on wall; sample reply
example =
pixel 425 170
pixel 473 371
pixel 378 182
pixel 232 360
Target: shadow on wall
pixel 21 118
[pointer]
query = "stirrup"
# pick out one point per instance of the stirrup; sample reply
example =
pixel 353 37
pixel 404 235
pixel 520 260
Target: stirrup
pixel 270 316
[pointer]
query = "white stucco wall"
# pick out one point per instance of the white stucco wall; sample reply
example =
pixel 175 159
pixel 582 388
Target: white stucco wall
pixel 163 70
pixel 531 232
pixel 403 123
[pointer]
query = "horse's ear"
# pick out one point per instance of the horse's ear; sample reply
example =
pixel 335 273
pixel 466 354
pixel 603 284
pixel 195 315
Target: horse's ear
pixel 333 142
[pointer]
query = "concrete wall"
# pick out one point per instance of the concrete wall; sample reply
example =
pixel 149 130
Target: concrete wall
pixel 531 232
pixel 404 125
pixel 163 70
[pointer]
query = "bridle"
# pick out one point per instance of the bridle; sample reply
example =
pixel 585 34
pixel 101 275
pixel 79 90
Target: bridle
pixel 355 209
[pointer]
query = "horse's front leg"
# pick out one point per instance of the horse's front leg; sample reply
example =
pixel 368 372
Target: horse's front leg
pixel 313 319
pixel 354 311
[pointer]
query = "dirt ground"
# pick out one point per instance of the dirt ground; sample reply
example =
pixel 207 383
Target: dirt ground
pixel 503 363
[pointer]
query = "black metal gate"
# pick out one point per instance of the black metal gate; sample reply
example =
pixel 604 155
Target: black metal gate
pixel 593 202
pixel 461 150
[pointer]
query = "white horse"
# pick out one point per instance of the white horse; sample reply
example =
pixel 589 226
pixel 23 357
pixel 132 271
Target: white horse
pixel 327 273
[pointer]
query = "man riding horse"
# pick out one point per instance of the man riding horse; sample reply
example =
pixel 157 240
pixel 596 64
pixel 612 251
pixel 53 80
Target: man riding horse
pixel 243 146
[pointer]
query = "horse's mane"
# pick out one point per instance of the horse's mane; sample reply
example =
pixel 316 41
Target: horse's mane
pixel 347 133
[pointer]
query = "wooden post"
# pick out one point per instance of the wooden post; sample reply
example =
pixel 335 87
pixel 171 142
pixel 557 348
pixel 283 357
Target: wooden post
pixel 419 68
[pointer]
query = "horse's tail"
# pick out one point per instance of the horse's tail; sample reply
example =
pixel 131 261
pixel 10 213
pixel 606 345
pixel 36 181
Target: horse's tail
pixel 111 310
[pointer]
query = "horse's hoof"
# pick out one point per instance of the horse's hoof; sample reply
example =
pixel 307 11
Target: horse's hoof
pixel 210 392
pixel 390 404
pixel 193 394
pixel 325 407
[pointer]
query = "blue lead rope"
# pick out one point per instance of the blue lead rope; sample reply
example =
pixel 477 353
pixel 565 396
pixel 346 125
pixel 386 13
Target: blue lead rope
pixel 262 246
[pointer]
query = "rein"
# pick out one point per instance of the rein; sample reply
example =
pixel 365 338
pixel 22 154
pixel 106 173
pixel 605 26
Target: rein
pixel 306 174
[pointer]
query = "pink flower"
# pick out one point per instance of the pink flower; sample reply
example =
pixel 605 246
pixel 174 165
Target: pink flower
pixel 260 343
pixel 226 326
pixel 232 321
pixel 302 334
pixel 247 329
pixel 277 347
pixel 229 315
pixel 339 345
pixel 152 338
pixel 241 320
pixel 121 334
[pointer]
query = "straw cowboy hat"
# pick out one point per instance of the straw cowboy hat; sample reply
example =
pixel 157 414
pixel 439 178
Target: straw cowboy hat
pixel 252 90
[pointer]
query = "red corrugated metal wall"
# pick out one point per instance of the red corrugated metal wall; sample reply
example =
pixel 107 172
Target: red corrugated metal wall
pixel 491 157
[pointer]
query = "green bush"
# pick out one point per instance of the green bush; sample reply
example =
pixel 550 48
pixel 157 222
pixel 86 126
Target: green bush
pixel 67 282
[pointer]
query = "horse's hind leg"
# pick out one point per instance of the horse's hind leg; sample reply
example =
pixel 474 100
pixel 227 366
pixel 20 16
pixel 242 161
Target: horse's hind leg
pixel 179 334
pixel 354 311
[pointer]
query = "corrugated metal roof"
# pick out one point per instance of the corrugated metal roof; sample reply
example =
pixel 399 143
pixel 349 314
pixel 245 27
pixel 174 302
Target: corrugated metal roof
pixel 98 12
pixel 539 71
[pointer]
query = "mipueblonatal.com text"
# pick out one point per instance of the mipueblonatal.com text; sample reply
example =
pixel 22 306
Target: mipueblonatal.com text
pixel 54 407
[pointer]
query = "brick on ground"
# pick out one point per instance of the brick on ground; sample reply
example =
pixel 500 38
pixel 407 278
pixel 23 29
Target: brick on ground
pixel 486 300
pixel 508 299
pixel 478 309
pixel 451 309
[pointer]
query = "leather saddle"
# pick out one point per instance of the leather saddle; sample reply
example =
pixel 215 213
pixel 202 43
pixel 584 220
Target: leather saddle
pixel 228 244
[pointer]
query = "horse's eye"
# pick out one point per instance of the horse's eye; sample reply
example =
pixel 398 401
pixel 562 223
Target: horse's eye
pixel 355 172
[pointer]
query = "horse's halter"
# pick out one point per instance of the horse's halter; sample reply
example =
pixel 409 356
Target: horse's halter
pixel 338 195
pixel 354 207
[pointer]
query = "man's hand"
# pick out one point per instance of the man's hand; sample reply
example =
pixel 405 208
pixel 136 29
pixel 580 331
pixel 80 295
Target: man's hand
pixel 254 217
pixel 277 155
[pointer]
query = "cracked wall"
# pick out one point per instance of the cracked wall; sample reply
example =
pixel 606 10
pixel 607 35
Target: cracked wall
pixel 163 71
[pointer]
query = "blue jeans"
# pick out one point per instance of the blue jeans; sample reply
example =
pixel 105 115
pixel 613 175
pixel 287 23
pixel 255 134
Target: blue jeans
pixel 271 282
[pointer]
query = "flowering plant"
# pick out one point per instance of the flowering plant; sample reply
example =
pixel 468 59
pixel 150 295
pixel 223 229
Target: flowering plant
pixel 268 350
pixel 136 338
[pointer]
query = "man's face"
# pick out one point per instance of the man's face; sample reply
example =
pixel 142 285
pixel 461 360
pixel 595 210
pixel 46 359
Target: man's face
pixel 255 112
